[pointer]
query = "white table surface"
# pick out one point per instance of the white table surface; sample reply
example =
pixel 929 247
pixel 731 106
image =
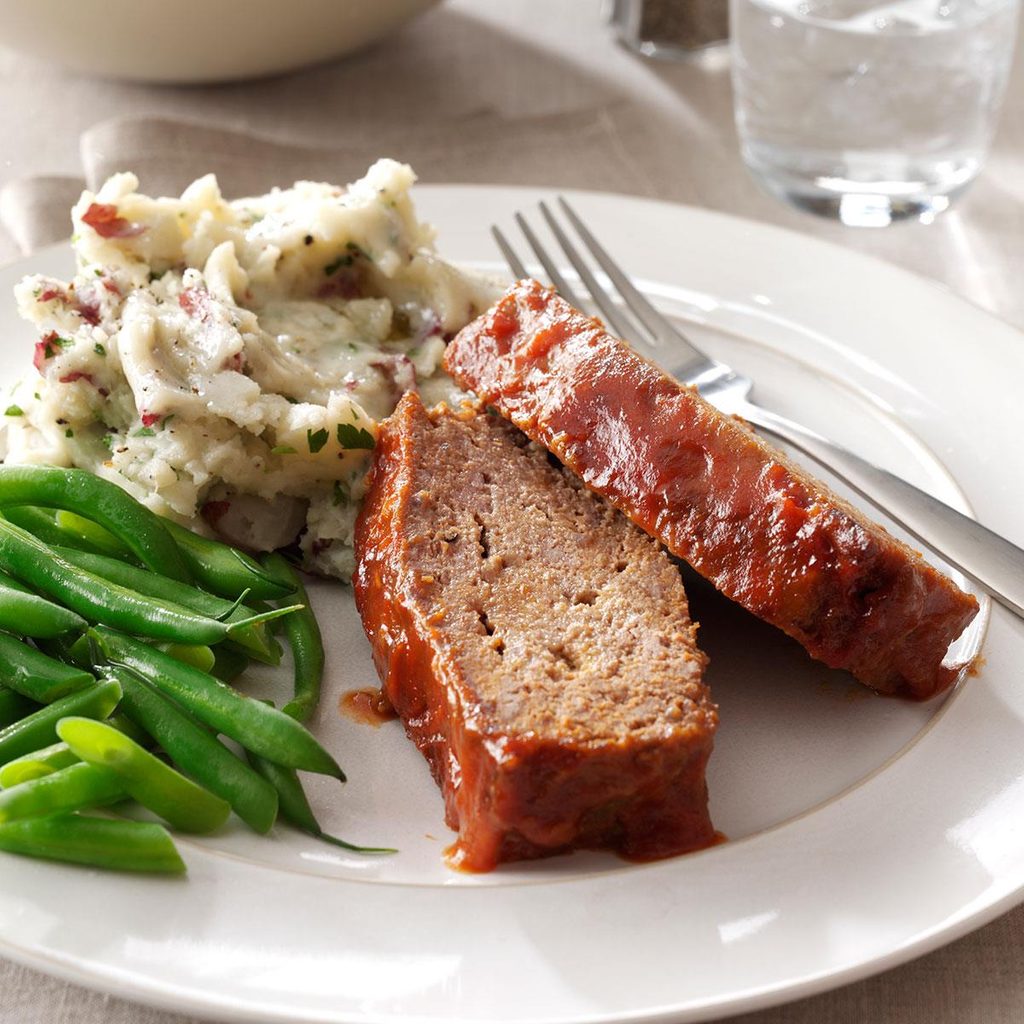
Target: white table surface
pixel 673 127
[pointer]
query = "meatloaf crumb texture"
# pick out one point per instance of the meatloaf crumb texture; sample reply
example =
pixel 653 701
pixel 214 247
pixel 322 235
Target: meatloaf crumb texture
pixel 764 531
pixel 535 643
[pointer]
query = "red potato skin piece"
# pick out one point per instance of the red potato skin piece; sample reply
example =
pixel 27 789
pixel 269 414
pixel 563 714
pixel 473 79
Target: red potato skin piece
pixel 762 530
pixel 105 220
pixel 509 797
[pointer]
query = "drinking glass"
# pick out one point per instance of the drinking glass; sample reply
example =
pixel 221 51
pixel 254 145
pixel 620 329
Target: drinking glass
pixel 869 111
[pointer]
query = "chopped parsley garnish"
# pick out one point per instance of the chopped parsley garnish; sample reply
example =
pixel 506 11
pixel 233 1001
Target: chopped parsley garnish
pixel 99 349
pixel 316 440
pixel 335 265
pixel 342 495
pixel 14 410
pixel 145 432
pixel 282 449
pixel 52 345
pixel 345 259
pixel 69 432
pixel 350 436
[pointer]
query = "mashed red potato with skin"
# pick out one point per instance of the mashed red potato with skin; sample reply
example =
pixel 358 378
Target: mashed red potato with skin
pixel 228 362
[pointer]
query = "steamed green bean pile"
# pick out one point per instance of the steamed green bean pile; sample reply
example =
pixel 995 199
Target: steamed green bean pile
pixel 119 635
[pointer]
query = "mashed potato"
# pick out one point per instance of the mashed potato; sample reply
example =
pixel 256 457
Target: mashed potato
pixel 231 360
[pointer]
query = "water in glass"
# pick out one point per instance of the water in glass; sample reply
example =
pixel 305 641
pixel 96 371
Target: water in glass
pixel 869 111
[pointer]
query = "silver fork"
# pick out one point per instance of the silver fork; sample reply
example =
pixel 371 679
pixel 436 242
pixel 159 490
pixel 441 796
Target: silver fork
pixel 991 561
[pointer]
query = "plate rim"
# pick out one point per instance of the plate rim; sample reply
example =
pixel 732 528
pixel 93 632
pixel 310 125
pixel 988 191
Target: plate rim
pixel 784 991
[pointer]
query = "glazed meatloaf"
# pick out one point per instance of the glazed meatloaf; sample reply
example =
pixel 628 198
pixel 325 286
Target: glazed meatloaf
pixel 762 530
pixel 535 643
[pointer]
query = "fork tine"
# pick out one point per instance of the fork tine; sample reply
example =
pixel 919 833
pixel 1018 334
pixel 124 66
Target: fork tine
pixel 561 285
pixel 637 302
pixel 515 264
pixel 620 322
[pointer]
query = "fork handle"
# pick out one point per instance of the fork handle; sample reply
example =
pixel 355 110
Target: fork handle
pixel 981 555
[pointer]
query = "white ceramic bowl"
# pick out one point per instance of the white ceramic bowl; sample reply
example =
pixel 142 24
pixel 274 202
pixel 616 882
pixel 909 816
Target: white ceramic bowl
pixel 196 40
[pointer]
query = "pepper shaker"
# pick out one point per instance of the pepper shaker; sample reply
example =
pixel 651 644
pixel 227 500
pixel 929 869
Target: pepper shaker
pixel 670 29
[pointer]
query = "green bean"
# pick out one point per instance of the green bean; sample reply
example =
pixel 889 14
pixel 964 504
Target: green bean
pixel 122 723
pixel 77 490
pixel 306 644
pixel 228 663
pixel 14 707
pixel 73 788
pixel 89 536
pixel 36 764
pixel 74 652
pixel 41 523
pixel 99 842
pixel 36 675
pixel 40 728
pixel 257 727
pixel 222 569
pixel 197 655
pixel 294 805
pixel 10 581
pixel 65 529
pixel 254 639
pixel 59 755
pixel 30 615
pixel 99 600
pixel 155 785
pixel 198 752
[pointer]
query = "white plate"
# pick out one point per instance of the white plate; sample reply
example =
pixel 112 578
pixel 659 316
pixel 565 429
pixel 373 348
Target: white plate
pixel 863 831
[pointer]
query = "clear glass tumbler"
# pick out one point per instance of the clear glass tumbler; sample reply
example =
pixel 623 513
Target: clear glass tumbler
pixel 869 111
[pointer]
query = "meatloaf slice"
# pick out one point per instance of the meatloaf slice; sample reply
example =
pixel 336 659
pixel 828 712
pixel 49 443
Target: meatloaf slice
pixel 535 643
pixel 761 529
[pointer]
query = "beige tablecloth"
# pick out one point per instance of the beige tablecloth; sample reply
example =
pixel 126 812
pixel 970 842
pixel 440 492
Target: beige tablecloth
pixel 519 92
